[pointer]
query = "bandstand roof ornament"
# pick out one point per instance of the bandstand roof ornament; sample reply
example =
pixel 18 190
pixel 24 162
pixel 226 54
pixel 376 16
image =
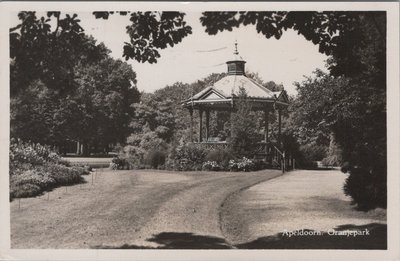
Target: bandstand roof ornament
pixel 223 92
pixel 236 63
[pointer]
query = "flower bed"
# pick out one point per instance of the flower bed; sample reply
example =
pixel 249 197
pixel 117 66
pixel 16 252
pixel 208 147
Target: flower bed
pixel 35 168
pixel 243 164
pixel 211 165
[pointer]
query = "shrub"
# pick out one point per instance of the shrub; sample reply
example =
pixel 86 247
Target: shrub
pixel 82 169
pixel 145 149
pixel 63 175
pixel 221 156
pixel 40 179
pixel 113 166
pixel 189 157
pixel 243 164
pixel 24 191
pixel 155 158
pixel 33 182
pixel 119 162
pixel 32 153
pixel 334 154
pixel 34 168
pixel 133 155
pixel 313 152
pixel 366 188
pixel 332 160
pixel 211 166
pixel 260 164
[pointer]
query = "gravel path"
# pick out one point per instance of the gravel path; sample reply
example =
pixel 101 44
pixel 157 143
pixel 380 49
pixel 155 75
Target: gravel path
pixel 311 200
pixel 131 209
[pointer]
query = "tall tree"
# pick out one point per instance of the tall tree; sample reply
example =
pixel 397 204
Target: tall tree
pixel 64 86
pixel 105 98
pixel 243 125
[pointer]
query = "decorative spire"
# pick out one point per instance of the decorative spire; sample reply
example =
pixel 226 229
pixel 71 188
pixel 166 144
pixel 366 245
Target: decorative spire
pixel 236 63
pixel 236 49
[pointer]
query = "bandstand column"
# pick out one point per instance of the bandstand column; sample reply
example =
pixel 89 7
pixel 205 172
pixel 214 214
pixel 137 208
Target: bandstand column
pixel 200 125
pixel 207 124
pixel 191 124
pixel 266 130
pixel 280 127
pixel 231 123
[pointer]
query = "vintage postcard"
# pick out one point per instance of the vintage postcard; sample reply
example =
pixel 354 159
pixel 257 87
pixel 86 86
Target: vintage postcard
pixel 199 131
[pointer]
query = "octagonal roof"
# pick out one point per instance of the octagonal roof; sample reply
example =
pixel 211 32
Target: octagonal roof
pixel 227 88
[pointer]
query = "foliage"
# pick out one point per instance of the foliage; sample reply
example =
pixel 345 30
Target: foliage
pixel 156 114
pixel 339 34
pixel 366 187
pixel 35 168
pixel 40 51
pixel 243 125
pixel 24 190
pixel 334 155
pixel 63 175
pixel 105 96
pixel 349 113
pixel 189 157
pixel 243 164
pixel 65 87
pixel 34 177
pixel 221 156
pixel 28 153
pixel 270 85
pixel 332 160
pixel 150 31
pixel 313 152
pixel 155 159
pixel 354 110
pixel 211 166
pixel 119 163
pixel 140 145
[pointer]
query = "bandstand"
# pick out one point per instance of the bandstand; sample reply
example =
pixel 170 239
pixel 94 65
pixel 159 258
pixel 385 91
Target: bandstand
pixel 223 95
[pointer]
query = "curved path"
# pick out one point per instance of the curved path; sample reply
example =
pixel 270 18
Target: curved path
pixel 131 209
pixel 300 200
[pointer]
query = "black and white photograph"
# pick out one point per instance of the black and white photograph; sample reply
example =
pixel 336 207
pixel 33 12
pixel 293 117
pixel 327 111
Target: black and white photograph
pixel 199 126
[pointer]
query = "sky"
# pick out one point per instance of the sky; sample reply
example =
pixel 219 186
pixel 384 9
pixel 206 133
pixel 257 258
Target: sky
pixel 283 61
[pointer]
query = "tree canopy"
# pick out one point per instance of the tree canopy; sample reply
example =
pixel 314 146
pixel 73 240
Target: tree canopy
pixel 64 86
pixel 150 31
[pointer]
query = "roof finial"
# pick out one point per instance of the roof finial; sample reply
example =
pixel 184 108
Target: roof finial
pixel 236 50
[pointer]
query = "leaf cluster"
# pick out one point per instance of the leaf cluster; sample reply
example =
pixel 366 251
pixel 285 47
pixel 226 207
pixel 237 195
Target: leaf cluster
pixel 150 31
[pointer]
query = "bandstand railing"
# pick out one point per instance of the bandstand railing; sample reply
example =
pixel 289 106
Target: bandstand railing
pixel 212 145
pixel 270 153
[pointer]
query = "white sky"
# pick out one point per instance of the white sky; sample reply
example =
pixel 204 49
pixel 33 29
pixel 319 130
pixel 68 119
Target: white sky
pixel 284 61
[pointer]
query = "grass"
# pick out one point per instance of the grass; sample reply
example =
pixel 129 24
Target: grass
pixel 186 210
pixel 119 207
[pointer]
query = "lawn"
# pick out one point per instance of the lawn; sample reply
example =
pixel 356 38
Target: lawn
pixel 166 209
pixel 114 208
